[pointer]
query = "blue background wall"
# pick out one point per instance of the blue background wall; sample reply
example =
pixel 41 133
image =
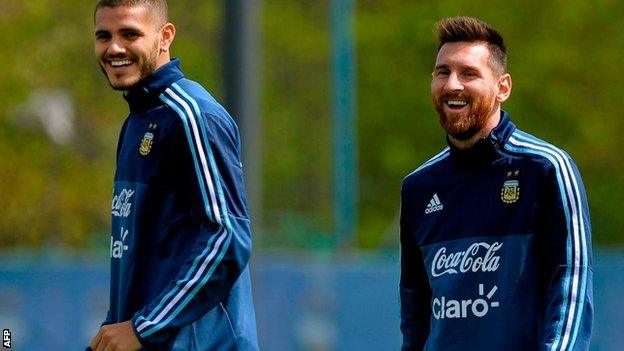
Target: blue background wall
pixel 56 302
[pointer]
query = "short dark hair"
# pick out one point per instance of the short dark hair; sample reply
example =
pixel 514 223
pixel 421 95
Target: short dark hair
pixel 156 7
pixel 470 29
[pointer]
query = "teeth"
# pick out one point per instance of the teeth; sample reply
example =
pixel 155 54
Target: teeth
pixel 456 103
pixel 120 63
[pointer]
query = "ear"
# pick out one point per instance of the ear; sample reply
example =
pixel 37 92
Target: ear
pixel 504 88
pixel 167 34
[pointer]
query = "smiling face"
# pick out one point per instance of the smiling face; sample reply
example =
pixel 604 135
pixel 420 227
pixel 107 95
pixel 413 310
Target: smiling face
pixel 466 92
pixel 130 44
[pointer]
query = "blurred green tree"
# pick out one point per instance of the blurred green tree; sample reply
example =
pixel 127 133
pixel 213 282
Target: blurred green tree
pixel 562 57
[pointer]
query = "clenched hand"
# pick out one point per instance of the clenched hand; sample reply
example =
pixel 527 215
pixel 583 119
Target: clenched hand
pixel 116 337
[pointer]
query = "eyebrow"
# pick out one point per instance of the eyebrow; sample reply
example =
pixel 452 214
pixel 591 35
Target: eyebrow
pixel 122 30
pixel 443 66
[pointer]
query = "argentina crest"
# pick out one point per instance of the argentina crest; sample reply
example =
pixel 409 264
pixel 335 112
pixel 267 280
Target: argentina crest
pixel 146 144
pixel 510 193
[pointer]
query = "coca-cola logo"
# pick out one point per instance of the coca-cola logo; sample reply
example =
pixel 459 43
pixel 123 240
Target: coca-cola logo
pixel 477 257
pixel 122 205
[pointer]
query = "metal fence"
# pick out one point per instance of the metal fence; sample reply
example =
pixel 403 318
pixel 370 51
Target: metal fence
pixel 57 302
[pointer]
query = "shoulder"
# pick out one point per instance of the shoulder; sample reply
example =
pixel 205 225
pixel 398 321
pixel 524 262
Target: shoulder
pixel 536 150
pixel 427 170
pixel 190 100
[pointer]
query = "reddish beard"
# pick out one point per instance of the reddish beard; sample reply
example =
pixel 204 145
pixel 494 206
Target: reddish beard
pixel 467 124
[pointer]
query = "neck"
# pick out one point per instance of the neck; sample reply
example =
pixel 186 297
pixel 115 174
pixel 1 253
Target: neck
pixel 492 122
pixel 163 60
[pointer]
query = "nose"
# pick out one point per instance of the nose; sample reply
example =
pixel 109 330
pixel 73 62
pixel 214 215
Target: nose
pixel 453 83
pixel 116 47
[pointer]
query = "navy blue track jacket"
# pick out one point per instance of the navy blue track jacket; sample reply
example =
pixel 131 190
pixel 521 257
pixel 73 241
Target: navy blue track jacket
pixel 496 249
pixel 181 239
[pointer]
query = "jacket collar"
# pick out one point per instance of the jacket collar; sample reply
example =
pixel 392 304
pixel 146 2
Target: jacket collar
pixel 484 151
pixel 145 95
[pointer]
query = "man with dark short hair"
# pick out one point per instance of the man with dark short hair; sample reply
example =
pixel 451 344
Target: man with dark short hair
pixel 181 240
pixel 495 230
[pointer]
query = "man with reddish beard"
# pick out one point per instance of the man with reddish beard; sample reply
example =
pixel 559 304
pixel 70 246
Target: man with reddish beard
pixel 181 239
pixel 495 229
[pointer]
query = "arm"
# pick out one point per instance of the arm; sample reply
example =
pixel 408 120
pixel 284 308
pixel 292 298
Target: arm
pixel 566 259
pixel 415 293
pixel 223 244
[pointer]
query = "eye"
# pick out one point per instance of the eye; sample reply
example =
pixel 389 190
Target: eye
pixel 470 74
pixel 130 35
pixel 441 72
pixel 102 36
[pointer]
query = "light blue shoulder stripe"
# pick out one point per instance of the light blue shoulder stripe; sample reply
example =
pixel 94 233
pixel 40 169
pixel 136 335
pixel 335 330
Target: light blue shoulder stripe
pixel 202 186
pixel 166 298
pixel 583 235
pixel 195 290
pixel 203 159
pixel 575 229
pixel 189 291
pixel 182 115
pixel 189 284
pixel 148 326
pixel 577 318
pixel 435 159
pixel 566 287
pixel 213 166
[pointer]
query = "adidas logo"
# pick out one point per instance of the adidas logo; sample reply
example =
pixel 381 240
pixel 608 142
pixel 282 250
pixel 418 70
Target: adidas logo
pixel 434 205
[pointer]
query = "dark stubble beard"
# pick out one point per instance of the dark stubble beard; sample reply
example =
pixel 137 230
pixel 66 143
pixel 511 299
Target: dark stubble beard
pixel 147 68
pixel 467 125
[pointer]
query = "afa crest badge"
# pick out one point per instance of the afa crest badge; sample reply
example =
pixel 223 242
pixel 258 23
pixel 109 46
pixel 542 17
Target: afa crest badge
pixel 510 193
pixel 146 144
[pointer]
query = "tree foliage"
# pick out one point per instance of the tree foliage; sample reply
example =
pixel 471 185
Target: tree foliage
pixel 562 57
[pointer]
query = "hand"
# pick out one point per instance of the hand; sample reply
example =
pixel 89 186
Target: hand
pixel 116 337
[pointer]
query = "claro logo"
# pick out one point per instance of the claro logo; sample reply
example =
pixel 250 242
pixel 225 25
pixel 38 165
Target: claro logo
pixel 117 247
pixel 477 257
pixel 443 307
